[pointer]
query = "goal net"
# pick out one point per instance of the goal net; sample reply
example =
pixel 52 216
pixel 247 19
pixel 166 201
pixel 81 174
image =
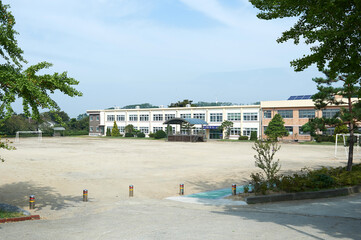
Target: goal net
pixel 27 133
pixel 342 145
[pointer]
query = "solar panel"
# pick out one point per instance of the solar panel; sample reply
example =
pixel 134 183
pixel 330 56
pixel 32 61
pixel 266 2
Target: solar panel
pixel 300 97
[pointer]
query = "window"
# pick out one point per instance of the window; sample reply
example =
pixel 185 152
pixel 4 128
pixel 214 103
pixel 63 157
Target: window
pixel 144 130
pixel 235 131
pixel 97 118
pixel 300 132
pixel 110 118
pixel 133 117
pixel 234 116
pixel 156 129
pixel 250 116
pixel 289 129
pixel 306 113
pixel 286 113
pixel 329 113
pixel 157 117
pixel 91 118
pixel 216 117
pixel 97 129
pixel 267 114
pixel 247 131
pixel 199 116
pixel 186 115
pixel 264 128
pixel 91 129
pixel 120 118
pixel 144 117
pixel 121 129
pixel 169 116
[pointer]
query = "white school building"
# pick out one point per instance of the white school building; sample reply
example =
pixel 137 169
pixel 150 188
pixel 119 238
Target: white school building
pixel 245 118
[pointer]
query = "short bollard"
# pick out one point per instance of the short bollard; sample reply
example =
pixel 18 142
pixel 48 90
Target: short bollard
pixel 234 189
pixel 181 189
pixel 131 190
pixel 85 195
pixel 32 202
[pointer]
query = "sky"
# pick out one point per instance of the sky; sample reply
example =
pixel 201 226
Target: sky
pixel 161 51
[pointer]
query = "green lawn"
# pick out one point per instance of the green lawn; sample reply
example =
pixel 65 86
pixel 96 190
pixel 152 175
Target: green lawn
pixel 317 143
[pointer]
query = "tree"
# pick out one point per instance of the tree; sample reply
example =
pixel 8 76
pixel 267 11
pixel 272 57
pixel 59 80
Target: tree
pixel 115 130
pixel 183 103
pixel 226 127
pixel 187 127
pixel 129 128
pixel 276 128
pixel 143 105
pixel 333 29
pixel 15 82
pixel 341 89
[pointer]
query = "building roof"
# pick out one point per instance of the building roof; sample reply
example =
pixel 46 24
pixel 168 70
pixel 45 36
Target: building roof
pixel 192 121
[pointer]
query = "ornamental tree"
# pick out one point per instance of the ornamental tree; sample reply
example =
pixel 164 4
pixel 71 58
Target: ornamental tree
pixel 115 130
pixel 226 127
pixel 276 128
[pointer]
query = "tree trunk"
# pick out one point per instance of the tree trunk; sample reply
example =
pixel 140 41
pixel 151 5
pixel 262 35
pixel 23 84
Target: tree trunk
pixel 350 149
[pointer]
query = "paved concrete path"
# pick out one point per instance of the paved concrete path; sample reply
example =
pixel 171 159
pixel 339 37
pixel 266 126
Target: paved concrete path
pixel 336 218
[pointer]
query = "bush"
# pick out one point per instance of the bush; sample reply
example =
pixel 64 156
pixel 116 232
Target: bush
pixel 243 138
pixel 151 135
pixel 253 136
pixel 108 133
pixel 160 134
pixel 129 135
pixel 324 138
pixel 140 135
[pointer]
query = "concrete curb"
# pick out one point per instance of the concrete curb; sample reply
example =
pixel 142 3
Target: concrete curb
pixel 18 219
pixel 304 195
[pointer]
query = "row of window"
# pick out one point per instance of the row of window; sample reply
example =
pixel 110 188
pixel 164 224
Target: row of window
pixel 214 117
pixel 290 130
pixel 309 113
pixel 92 118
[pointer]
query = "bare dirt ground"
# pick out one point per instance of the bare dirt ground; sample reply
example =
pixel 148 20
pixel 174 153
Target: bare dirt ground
pixel 56 170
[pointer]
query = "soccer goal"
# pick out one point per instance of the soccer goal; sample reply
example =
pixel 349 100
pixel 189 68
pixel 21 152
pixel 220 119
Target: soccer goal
pixel 344 144
pixel 39 132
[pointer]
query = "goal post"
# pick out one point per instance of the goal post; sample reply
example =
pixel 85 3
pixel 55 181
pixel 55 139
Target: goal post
pixel 344 142
pixel 39 132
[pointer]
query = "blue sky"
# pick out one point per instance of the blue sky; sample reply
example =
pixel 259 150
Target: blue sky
pixel 161 51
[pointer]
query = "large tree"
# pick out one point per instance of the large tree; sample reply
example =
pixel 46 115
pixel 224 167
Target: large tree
pixel 17 82
pixel 333 29
pixel 276 128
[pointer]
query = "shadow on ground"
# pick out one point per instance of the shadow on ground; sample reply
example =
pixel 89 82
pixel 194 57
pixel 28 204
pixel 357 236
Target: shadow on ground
pixel 300 216
pixel 17 194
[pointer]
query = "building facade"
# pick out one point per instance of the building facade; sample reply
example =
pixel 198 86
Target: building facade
pixel 245 118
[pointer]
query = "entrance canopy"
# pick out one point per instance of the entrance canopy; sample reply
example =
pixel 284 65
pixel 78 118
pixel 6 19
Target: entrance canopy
pixel 192 121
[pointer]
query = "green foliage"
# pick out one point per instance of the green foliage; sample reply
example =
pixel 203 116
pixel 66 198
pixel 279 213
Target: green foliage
pixel 143 105
pixel 128 134
pixel 324 138
pixel 210 104
pixel 108 132
pixel 226 127
pixel 253 136
pixel 183 103
pixel 246 189
pixel 151 135
pixel 140 135
pixel 243 138
pixel 276 128
pixel 129 128
pixel 160 134
pixel 5 144
pixel 115 130
pixel 264 159
pixel 258 183
pixel 187 127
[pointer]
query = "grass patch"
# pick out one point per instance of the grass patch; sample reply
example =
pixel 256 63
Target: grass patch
pixel 4 214
pixel 233 140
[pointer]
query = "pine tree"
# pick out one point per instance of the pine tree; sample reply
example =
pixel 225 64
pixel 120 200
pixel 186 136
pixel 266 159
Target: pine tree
pixel 276 128
pixel 115 130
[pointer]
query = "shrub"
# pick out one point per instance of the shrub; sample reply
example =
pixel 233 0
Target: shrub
pixel 108 133
pixel 129 134
pixel 160 134
pixel 243 138
pixel 115 130
pixel 140 135
pixel 253 136
pixel 151 135
pixel 324 138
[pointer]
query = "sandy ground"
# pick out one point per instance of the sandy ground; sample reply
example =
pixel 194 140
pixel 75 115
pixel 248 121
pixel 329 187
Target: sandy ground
pixel 56 170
